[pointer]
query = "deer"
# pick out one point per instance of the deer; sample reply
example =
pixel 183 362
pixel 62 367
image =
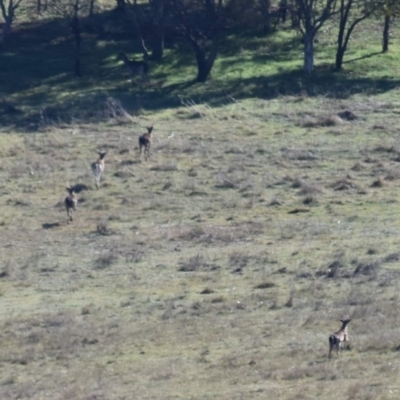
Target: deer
pixel 337 339
pixel 140 68
pixel 98 167
pixel 70 202
pixel 145 141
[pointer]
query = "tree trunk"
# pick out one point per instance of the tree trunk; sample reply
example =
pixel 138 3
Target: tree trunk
pixel 77 38
pixel 385 42
pixel 339 57
pixel 120 5
pixel 158 30
pixel 91 9
pixel 203 68
pixel 341 48
pixel 158 44
pixel 204 63
pixel 308 52
pixel 283 10
pixel 267 26
pixel 6 30
pixel 138 30
pixel 41 6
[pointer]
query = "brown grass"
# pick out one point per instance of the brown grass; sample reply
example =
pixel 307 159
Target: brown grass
pixel 217 269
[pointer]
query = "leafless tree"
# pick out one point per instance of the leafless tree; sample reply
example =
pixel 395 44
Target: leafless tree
pixel 136 17
pixel 72 11
pixel 120 4
pixel 201 24
pixel 389 9
pixel 351 13
pixel 41 6
pixel 8 9
pixel 157 42
pixel 310 16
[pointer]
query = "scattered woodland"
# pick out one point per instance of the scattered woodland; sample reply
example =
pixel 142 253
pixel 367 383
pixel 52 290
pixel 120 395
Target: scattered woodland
pixel 199 200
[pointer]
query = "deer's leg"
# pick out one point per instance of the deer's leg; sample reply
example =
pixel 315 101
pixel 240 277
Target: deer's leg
pixel 148 149
pixel 331 344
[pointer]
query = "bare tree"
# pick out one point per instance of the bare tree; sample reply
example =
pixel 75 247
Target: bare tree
pixel 134 13
pixel 157 42
pixel 201 23
pixel 310 16
pixel 351 13
pixel 40 6
pixel 72 11
pixel 8 9
pixel 273 14
pixel 120 5
pixel 389 10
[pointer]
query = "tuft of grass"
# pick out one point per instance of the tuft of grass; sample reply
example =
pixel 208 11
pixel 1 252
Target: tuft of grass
pixel 378 183
pixel 106 260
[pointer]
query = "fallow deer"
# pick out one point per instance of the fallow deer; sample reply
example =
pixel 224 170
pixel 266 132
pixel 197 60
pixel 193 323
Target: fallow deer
pixel 70 202
pixel 145 141
pixel 337 339
pixel 98 167
pixel 136 68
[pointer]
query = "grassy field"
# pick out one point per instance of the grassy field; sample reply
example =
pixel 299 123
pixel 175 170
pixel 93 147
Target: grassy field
pixel 218 269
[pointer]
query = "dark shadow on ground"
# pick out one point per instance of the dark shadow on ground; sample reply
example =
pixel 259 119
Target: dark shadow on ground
pixel 51 225
pixel 40 59
pixel 363 57
pixel 92 106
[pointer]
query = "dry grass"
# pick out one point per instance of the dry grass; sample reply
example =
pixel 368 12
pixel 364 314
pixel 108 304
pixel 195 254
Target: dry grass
pixel 217 269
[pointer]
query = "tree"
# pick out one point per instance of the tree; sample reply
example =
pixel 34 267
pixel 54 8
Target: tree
pixel 273 14
pixel 120 5
pixel 310 16
pixel 157 42
pixel 356 11
pixel 385 39
pixel 40 6
pixel 72 11
pixel 389 9
pixel 8 9
pixel 200 23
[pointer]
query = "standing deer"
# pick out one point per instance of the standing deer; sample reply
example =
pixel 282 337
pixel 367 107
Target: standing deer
pixel 145 141
pixel 70 202
pixel 98 167
pixel 136 68
pixel 337 339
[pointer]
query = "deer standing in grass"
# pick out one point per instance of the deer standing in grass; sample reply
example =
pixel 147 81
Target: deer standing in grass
pixel 145 141
pixel 70 202
pixel 337 339
pixel 98 167
pixel 136 68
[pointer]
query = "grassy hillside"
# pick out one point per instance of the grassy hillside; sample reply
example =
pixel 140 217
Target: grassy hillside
pixel 218 269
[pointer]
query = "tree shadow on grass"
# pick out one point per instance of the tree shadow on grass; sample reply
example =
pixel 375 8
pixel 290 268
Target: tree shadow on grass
pixel 363 57
pixel 286 83
pixel 88 107
pixel 321 83
pixel 39 75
